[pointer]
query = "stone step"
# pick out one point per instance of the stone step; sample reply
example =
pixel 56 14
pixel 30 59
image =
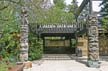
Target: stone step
pixel 59 57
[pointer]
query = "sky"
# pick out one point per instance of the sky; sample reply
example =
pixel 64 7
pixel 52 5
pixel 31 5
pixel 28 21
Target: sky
pixel 69 1
pixel 95 4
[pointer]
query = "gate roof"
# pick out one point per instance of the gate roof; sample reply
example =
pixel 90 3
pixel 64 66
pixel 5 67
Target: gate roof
pixel 59 28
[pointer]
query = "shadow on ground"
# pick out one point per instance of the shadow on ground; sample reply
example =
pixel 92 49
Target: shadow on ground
pixel 82 60
pixel 104 58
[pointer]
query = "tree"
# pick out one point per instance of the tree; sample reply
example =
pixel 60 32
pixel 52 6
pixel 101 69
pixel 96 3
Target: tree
pixel 60 4
pixel 104 9
pixel 105 22
pixel 73 7
pixel 104 13
pixel 55 14
pixel 7 16
pixel 9 43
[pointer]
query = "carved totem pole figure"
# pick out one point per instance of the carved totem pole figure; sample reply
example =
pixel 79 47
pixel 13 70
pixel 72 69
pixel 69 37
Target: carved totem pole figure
pixel 93 46
pixel 24 35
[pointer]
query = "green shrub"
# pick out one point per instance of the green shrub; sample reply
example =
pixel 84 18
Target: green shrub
pixel 5 65
pixel 9 46
pixel 35 47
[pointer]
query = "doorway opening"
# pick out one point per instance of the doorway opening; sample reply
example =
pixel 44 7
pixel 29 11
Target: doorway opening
pixel 59 45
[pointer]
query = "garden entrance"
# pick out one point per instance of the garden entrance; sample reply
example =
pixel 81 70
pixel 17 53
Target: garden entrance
pixel 59 45
pixel 60 38
pixel 67 29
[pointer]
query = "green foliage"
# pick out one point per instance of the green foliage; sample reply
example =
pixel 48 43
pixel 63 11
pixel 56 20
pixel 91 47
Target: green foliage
pixel 104 7
pixel 35 47
pixel 60 4
pixel 8 19
pixel 9 46
pixel 73 7
pixel 5 64
pixel 9 23
pixel 73 41
pixel 104 13
pixel 55 14
pixel 105 22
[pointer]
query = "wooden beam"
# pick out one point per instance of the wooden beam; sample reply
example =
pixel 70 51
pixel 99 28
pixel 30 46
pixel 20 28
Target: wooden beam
pixel 97 0
pixel 81 7
pixel 83 4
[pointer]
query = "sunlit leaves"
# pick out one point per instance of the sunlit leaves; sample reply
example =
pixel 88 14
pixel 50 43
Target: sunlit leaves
pixel 54 15
pixel 8 24
pixel 8 19
pixel 105 22
pixel 60 4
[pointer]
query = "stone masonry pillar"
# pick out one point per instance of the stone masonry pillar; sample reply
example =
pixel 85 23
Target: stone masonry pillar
pixel 24 35
pixel 93 46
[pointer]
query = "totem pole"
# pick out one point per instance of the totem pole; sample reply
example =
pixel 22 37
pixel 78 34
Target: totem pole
pixel 24 35
pixel 93 46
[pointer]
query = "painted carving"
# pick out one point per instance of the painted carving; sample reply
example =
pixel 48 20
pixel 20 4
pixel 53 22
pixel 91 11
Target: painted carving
pixel 93 46
pixel 24 35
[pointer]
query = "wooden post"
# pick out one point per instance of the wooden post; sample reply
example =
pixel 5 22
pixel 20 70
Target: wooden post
pixel 93 46
pixel 90 7
pixel 70 42
pixel 24 35
pixel 76 46
pixel 43 44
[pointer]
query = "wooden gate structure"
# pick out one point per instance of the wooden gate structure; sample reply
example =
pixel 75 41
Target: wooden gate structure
pixel 71 30
pixel 62 34
pixel 67 30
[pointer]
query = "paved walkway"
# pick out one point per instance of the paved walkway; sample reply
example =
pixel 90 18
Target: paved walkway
pixel 64 63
